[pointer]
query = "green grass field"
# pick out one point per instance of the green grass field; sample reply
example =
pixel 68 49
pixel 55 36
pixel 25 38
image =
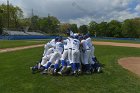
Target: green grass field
pixel 18 43
pixel 16 77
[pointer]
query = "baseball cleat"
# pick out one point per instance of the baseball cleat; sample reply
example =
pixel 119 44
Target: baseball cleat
pixel 79 72
pixel 99 69
pixel 60 73
pixel 33 70
pixel 44 72
pixel 88 72
pixel 76 74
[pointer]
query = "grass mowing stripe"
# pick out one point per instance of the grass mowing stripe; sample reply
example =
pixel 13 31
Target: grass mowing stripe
pixel 15 76
pixel 18 43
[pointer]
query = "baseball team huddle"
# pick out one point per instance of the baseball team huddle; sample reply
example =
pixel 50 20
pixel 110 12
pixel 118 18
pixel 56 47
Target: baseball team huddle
pixel 73 55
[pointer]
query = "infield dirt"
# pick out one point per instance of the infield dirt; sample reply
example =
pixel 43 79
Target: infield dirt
pixel 131 63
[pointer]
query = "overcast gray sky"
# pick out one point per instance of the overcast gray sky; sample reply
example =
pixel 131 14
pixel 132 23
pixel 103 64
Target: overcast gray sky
pixel 81 11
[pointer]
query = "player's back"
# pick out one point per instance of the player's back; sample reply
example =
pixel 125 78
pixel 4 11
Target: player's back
pixel 50 51
pixel 52 42
pixel 75 44
pixel 84 44
pixel 59 47
pixel 89 42
pixel 69 42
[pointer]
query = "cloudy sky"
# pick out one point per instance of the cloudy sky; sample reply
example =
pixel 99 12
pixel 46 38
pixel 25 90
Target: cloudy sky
pixel 81 11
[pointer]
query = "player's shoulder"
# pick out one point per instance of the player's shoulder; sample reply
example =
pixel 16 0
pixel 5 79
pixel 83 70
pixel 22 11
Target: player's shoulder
pixel 88 38
pixel 83 40
pixel 76 40
pixel 53 40
pixel 58 42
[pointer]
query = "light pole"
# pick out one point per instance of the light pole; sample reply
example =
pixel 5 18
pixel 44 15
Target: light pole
pixel 58 28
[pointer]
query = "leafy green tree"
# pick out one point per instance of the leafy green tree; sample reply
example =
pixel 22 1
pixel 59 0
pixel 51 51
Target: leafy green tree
pixel 136 27
pixel 1 11
pixel 15 14
pixel 83 29
pixel 102 29
pixel 126 28
pixel 1 30
pixel 52 24
pixel 114 29
pixel 64 27
pixel 74 28
pixel 92 28
pixel 131 28
pixel 49 25
pixel 34 23
pixel 25 22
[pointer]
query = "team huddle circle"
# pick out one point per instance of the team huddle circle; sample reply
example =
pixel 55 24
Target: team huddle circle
pixel 73 55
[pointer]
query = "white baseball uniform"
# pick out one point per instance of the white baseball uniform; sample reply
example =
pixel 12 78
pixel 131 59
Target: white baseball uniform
pixel 89 41
pixel 47 56
pixel 75 51
pixel 49 45
pixel 85 54
pixel 57 53
pixel 69 43
pixel 65 52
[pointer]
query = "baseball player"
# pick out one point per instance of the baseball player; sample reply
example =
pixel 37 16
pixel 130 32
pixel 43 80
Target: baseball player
pixel 92 49
pixel 75 63
pixel 49 45
pixel 46 56
pixel 55 58
pixel 69 43
pixel 88 39
pixel 64 56
pixel 85 55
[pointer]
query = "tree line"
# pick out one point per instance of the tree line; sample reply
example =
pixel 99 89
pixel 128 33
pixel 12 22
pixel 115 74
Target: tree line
pixel 14 20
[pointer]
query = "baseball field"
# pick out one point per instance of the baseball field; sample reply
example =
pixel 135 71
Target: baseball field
pixel 16 77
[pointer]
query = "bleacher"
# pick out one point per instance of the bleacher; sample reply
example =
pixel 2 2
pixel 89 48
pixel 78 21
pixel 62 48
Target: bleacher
pixel 15 33
pixel 33 33
pixel 21 33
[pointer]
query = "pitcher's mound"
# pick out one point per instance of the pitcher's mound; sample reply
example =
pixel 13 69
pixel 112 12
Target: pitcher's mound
pixel 131 63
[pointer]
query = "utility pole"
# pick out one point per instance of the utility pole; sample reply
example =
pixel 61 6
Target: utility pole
pixel 32 12
pixel 8 20
pixel 32 19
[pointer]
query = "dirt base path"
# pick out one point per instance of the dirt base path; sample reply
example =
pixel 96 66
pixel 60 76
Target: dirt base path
pixel 131 63
pixel 19 48
pixel 117 44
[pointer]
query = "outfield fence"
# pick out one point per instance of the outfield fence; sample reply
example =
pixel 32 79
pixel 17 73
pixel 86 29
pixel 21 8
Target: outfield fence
pixel 24 37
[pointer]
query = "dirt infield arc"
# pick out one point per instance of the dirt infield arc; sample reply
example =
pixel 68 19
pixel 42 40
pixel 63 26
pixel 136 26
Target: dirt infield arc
pixel 95 43
pixel 131 63
pixel 118 44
